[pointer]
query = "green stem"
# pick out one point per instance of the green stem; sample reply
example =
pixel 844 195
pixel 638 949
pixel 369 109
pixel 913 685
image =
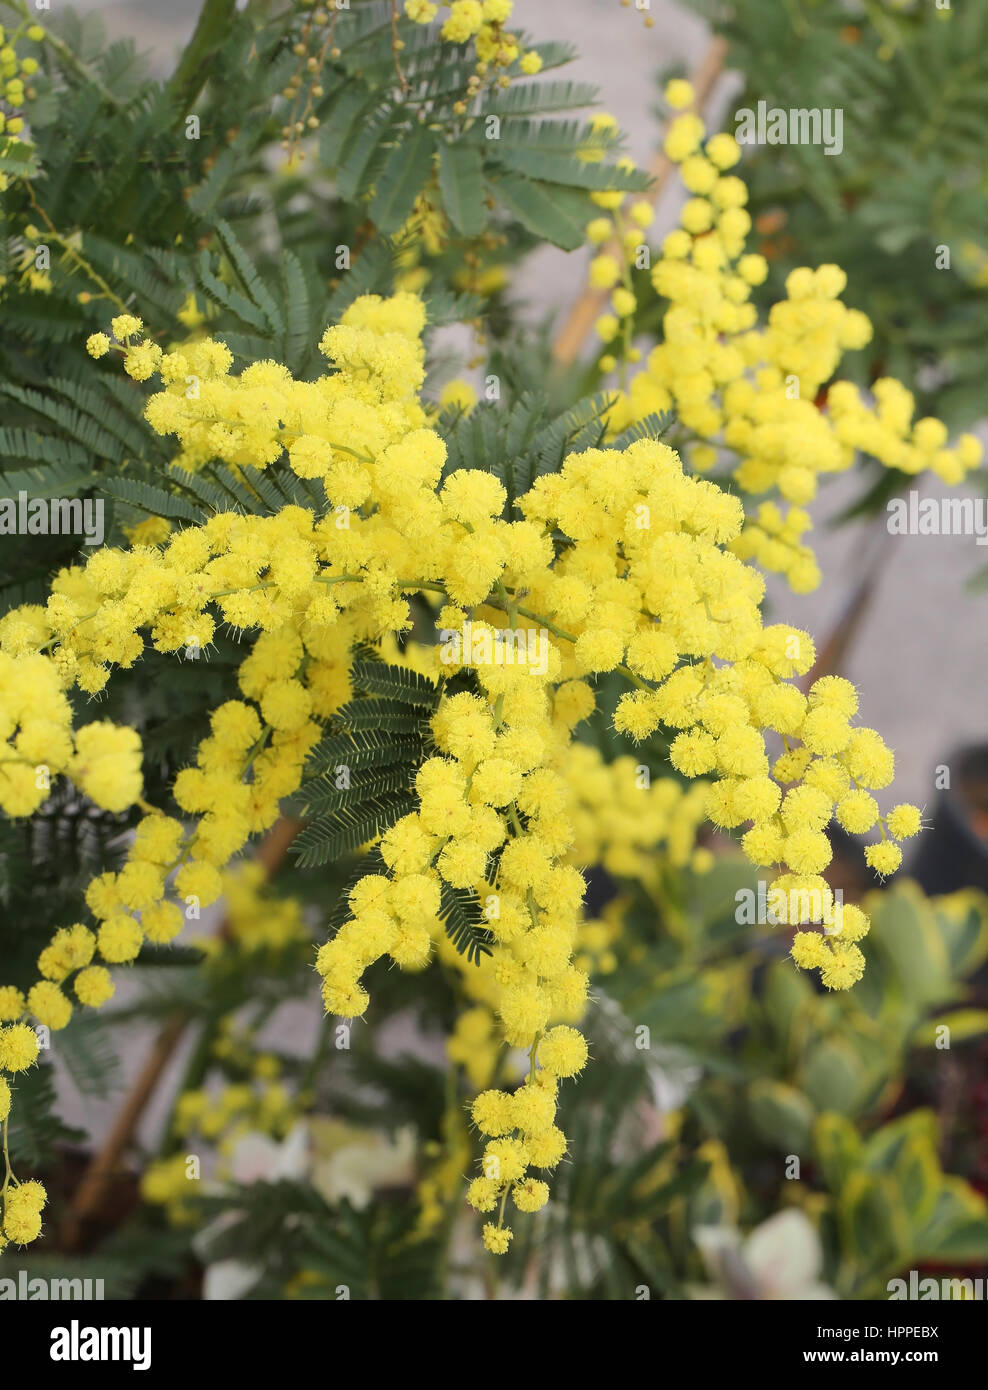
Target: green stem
pixel 7 1174
pixel 76 257
pixel 421 584
pixel 500 1210
pixel 56 641
pixel 532 1057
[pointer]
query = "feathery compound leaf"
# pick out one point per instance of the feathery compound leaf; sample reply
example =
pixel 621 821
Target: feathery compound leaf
pixel 152 500
pixel 405 171
pixel 523 422
pixel 35 1131
pixel 551 211
pixel 88 1053
pixel 395 683
pixel 567 432
pixel 298 312
pixel 554 137
pixel 529 98
pixel 566 169
pixel 60 480
pixel 127 426
pixel 74 423
pixel 342 831
pixel 277 485
pixel 463 917
pixel 240 494
pixel 346 117
pixel 156 285
pixel 653 426
pixel 352 178
pixel 447 306
pixel 219 490
pixel 27 446
pixel 461 184
pixel 266 484
pixel 39 318
pixel 216 291
pixel 323 794
pixel 250 278
pixel 387 715
pixel 362 749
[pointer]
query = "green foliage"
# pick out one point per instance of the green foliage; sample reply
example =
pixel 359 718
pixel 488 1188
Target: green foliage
pixel 253 253
pixel 522 439
pixel 419 137
pixel 293 1240
pixel 395 683
pixel 894 1206
pixel 338 833
pixel 361 774
pixel 817 1073
pixel 35 1131
pixel 463 917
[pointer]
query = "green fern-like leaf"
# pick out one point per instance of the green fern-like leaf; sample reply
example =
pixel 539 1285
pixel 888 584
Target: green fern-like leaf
pixel 153 500
pixel 653 426
pixel 78 426
pixel 346 829
pixel 405 171
pixel 89 1056
pixel 362 749
pixel 532 98
pixel 463 918
pixel 322 795
pixel 34 1129
pixel 547 166
pixel 395 683
pixel 251 279
pixel 386 715
pixel 550 211
pixel 461 184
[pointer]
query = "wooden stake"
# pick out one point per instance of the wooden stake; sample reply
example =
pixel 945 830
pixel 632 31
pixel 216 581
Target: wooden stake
pixel 592 303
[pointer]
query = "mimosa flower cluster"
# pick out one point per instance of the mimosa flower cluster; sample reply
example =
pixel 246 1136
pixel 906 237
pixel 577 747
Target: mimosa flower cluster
pixel 16 67
pixel 39 742
pixel 482 23
pixel 620 820
pixel 754 397
pixel 622 558
pixel 21 1203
